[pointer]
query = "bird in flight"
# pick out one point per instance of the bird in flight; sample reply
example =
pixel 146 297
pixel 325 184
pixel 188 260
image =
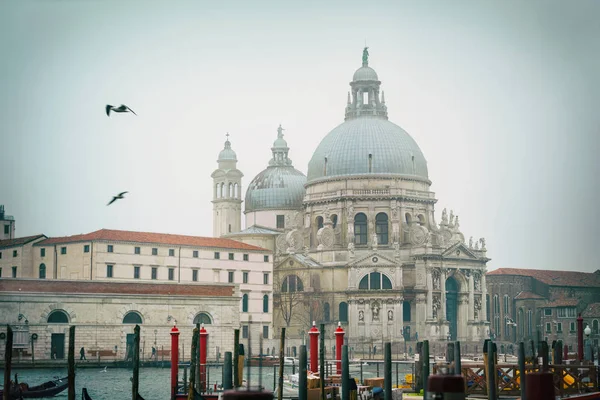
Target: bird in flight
pixel 117 197
pixel 120 109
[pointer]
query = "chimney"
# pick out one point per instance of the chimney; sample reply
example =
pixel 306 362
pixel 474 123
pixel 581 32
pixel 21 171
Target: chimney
pixel 1 212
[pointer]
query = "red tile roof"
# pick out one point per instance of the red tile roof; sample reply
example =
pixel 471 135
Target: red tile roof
pixel 528 295
pixel 19 241
pixel 554 278
pixel 592 310
pixel 148 237
pixel 562 303
pixel 87 287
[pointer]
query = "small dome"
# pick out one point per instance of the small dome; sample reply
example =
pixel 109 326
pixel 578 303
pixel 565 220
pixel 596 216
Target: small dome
pixel 365 74
pixel 280 143
pixel 227 154
pixel 276 188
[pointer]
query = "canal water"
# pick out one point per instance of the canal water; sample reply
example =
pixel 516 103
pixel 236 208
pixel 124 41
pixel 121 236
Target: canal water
pixel 115 383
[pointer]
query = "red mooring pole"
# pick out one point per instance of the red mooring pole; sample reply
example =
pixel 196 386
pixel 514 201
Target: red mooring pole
pixel 579 338
pixel 203 347
pixel 339 342
pixel 314 348
pixel 174 360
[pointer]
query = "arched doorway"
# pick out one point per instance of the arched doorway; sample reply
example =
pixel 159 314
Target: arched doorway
pixel 452 306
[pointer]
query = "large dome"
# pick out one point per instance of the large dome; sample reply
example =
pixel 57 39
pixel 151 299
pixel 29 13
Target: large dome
pixel 347 147
pixel 276 188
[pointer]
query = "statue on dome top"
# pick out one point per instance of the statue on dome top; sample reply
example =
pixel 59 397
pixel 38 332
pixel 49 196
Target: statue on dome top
pixel 365 56
pixel 280 131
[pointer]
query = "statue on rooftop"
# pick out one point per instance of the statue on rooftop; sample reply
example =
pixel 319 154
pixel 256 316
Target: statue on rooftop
pixel 365 56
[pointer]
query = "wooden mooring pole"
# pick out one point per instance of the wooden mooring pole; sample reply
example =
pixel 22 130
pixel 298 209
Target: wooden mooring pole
pixel 387 371
pixel 322 361
pixel 522 381
pixel 227 376
pixel 71 361
pixel 236 356
pixel 457 362
pixel 136 363
pixel 7 362
pixel 425 367
pixel 302 381
pixel 281 354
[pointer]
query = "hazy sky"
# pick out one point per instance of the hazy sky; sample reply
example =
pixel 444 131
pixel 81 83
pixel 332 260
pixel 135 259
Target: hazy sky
pixel 502 98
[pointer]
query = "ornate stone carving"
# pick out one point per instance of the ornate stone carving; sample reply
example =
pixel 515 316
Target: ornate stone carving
pixel 295 240
pixel 444 217
pixel 350 211
pixel 326 237
pixel 482 240
pixel 374 241
pixel 435 274
pixel 437 303
pixel 418 235
pixel 456 224
pixel 375 307
pixel 390 315
pixel 421 298
pixel 446 236
pixel 351 248
pixel 361 316
pixel 476 245
pixel 326 214
pixel 471 242
pixel 477 307
pixel 477 282
pixel 451 221
pixel 281 243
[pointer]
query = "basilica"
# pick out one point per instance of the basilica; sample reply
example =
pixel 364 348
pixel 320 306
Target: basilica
pixel 356 239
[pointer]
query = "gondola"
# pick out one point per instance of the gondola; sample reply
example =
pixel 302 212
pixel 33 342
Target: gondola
pixel 46 389
pixel 85 395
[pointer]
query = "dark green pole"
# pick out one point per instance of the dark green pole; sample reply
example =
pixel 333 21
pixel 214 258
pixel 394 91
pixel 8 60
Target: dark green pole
pixel 322 361
pixel 302 381
pixel 387 370
pixel 522 370
pixel 136 363
pixel 457 362
pixel 236 356
pixel 544 349
pixel 449 352
pixel 559 352
pixel 227 377
pixel 345 373
pixel 491 372
pixel 192 385
pixel 425 367
pixel 71 390
pixel 7 361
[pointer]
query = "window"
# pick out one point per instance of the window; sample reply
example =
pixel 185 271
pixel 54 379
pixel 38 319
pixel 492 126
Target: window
pixel 343 312
pixel 195 275
pixel 559 327
pixel 572 327
pixel 292 283
pixel 265 303
pixel 245 303
pixel 360 229
pixel 406 311
pixel 109 248
pixel 595 327
pixel 265 279
pixel 42 252
pixel 319 222
pixel 6 229
pixel 230 277
pixel 154 251
pixel 109 271
pixel 136 272
pixel 245 332
pixel 195 254
pixel 14 272
pixel 381 228
pixel 137 250
pixel 42 271
pixel 217 255
pixel 326 312
pixel 266 332
pixel 375 281
pixel 132 317
pixel 266 258
pixel 496 304
pixel 202 318
pixel 334 220
pixel 566 312
pixel 0 272
pixel 246 257
pixel 86 248
pixel 154 272
pixel 171 274
pixel 231 256
pixel 281 222
pixel 15 253
pixel 530 323
pixel 245 277
pixel 548 312
pixel 548 327
pixel 171 252
pixel 58 317
pixel 505 304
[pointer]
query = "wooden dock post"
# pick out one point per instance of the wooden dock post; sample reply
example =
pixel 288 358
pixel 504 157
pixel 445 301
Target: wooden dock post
pixel 491 371
pixel 281 359
pixel 387 371
pixel 71 361
pixel 7 361
pixel 450 353
pixel 425 367
pixel 457 362
pixel 302 381
pixel 322 361
pixel 418 367
pixel 227 376
pixel 136 363
pixel 522 381
pixel 236 356
pixel 193 361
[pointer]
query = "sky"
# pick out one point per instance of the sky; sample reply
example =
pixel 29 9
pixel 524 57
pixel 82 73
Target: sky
pixel 502 98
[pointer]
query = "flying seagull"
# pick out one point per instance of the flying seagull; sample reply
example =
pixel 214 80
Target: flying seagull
pixel 117 197
pixel 120 109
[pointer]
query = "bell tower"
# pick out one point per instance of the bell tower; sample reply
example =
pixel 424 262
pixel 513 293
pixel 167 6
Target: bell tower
pixel 227 193
pixel 7 225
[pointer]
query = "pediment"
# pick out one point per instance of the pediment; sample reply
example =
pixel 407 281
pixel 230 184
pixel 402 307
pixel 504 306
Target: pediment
pixel 296 261
pixel 373 259
pixel 459 250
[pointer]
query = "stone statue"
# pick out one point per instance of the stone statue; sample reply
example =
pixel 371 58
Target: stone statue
pixel 326 213
pixel 305 252
pixel 482 240
pixel 351 248
pixel 436 280
pixel 471 242
pixel 361 315
pixel 451 222
pixel 280 131
pixel 350 212
pixel 444 217
pixel 456 224
pixel 436 306
pixel 476 245
pixel 365 57
pixel 375 311
pixel 390 315
pixel 374 241
pixel 477 283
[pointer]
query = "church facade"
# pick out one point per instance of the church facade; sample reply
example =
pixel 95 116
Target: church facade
pixel 356 240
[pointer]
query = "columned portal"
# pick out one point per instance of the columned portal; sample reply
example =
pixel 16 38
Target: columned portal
pixel 452 306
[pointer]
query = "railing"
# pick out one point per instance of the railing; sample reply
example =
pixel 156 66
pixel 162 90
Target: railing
pixel 371 192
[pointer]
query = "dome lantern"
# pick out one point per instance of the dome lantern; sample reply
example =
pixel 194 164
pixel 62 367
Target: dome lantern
pixel 365 93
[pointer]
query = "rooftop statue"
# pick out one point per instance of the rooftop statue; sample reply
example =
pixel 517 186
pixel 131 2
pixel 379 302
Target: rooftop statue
pixel 365 56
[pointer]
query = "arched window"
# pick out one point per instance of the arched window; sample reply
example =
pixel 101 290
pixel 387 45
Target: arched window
pixel 520 323
pixel 221 194
pixel 132 317
pixel 375 281
pixel 202 318
pixel 381 228
pixel 245 303
pixel 506 302
pixel 343 312
pixel 292 283
pixel 319 222
pixel 529 322
pixel 496 304
pixel 326 315
pixel 265 303
pixel 421 219
pixel 334 220
pixel 58 317
pixel 595 327
pixel 230 191
pixel 360 229
pixel 42 271
pixel 408 218
pixel 217 189
pixel 236 191
pixel 406 311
